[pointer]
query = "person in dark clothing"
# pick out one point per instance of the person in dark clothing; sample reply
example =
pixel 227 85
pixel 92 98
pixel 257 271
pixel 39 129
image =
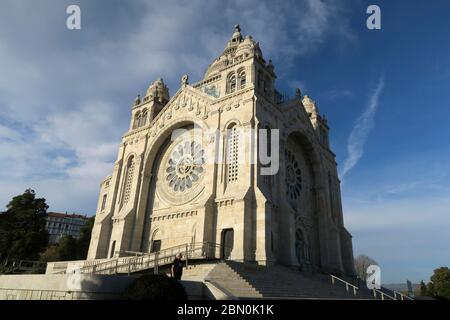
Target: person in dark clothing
pixel 177 267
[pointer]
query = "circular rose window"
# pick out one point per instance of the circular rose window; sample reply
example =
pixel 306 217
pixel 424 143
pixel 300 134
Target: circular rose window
pixel 185 166
pixel 293 177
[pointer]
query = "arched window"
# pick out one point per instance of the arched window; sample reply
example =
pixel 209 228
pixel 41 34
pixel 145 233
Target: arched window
pixel 232 153
pixel 103 203
pixel 128 180
pixel 232 83
pixel 242 80
pixel 137 119
pixel 143 118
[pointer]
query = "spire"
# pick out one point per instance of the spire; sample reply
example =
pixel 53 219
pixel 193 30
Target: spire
pixel 237 45
pixel 234 41
pixel 158 91
pixel 237 32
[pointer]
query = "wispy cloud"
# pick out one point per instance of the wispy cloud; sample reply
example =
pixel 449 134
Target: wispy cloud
pixel 336 94
pixel 362 129
pixel 63 107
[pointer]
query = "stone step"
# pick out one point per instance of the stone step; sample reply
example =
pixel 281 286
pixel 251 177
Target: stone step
pixel 275 282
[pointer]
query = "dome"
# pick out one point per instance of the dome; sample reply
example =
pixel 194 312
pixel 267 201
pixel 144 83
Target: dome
pixel 158 90
pixel 236 46
pixel 218 64
pixel 246 47
pixel 235 40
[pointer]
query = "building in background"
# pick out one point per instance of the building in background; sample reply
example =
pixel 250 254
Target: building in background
pixel 63 224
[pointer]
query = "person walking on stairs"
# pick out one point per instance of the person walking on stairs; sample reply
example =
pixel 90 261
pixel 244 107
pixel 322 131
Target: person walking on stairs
pixel 177 267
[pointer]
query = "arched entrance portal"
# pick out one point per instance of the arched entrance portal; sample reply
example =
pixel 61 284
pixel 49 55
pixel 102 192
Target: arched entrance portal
pixel 178 174
pixel 301 173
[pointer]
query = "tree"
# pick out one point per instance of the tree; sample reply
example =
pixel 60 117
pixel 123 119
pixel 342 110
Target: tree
pixel 67 248
pixel 50 254
pixel 362 262
pixel 85 239
pixel 155 287
pixel 440 281
pixel 423 289
pixel 22 227
pixel 430 289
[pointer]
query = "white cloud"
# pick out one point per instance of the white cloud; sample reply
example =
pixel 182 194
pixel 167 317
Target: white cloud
pixel 66 100
pixel 362 129
pixel 336 94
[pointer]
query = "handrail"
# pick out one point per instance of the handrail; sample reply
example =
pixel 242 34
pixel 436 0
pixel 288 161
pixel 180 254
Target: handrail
pixel 382 294
pixel 347 284
pixel 150 260
pixel 22 265
pixel 402 296
pixel 134 253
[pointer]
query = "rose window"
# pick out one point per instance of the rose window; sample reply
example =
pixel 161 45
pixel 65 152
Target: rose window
pixel 293 177
pixel 185 166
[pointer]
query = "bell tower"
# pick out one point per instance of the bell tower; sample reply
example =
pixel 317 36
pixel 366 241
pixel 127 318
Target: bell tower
pixel 167 191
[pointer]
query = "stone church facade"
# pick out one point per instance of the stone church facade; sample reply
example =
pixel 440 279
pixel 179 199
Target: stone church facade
pixel 165 190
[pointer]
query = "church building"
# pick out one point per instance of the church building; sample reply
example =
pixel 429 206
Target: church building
pixel 170 189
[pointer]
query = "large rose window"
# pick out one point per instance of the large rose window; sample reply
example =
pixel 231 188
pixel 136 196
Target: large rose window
pixel 293 177
pixel 185 166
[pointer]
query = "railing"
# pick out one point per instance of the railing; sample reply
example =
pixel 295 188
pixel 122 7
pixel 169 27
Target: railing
pixel 22 266
pixel 396 293
pixel 143 261
pixel 379 292
pixel 383 295
pixel 348 285
pixel 402 296
pixel 43 294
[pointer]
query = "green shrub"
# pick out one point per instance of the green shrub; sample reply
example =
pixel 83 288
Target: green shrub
pixel 155 287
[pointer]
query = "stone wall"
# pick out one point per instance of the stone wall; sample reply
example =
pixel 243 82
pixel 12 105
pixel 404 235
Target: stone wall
pixel 62 287
pixel 79 287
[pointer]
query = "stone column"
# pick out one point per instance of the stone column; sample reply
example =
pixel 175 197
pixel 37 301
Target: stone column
pixel 237 253
pixel 322 214
pixel 263 224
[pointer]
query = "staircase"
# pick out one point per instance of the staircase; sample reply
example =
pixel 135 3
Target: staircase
pixel 142 262
pixel 240 280
pixel 382 293
pixel 248 281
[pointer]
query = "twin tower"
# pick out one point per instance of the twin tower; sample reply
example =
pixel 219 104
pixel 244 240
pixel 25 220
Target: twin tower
pixel 164 192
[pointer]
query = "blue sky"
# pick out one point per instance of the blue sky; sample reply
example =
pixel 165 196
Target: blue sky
pixel 65 98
